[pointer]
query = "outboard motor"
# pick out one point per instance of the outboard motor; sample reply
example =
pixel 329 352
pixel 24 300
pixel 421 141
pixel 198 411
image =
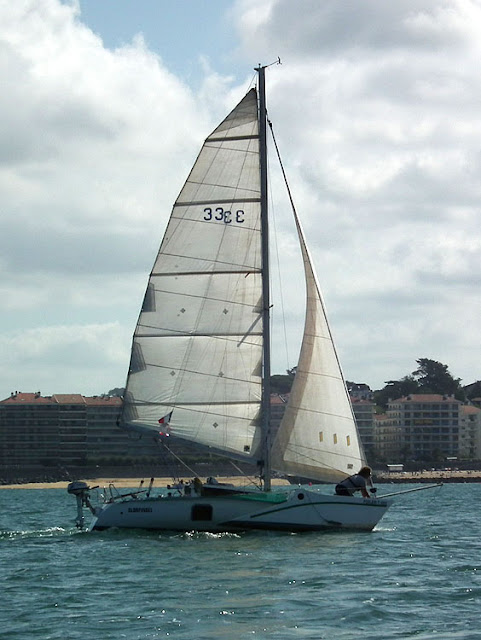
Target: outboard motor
pixel 81 491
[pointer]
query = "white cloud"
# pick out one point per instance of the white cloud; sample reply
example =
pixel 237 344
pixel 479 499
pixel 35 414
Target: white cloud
pixel 90 148
pixel 376 110
pixel 65 359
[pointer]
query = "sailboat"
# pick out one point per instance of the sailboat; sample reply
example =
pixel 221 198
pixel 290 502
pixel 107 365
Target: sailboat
pixel 200 361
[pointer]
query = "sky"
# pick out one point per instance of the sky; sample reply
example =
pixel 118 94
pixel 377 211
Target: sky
pixel 377 112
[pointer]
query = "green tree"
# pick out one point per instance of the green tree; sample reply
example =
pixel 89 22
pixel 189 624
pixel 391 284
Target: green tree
pixel 280 384
pixel 473 390
pixel 396 389
pixel 430 377
pixel 117 392
pixel 434 377
pixel 283 383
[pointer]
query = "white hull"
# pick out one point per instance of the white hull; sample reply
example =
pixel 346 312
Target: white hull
pixel 300 510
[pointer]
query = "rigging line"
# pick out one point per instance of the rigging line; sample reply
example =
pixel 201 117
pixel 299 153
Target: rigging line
pixel 278 265
pixel 178 459
pixel 253 480
pixel 165 458
pixel 282 167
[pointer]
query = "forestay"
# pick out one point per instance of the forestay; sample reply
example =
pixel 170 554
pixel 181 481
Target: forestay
pixel 197 347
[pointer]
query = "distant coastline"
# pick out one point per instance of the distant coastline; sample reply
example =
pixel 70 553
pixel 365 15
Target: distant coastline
pixel 122 482
pixel 128 483
pixel 465 475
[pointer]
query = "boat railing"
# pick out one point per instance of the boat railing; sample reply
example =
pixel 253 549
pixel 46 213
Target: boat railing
pixel 114 495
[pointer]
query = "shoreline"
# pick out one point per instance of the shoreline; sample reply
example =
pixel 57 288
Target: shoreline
pixel 468 475
pixel 121 482
pixel 132 483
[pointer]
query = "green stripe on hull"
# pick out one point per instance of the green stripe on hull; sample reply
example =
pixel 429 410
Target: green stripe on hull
pixel 315 504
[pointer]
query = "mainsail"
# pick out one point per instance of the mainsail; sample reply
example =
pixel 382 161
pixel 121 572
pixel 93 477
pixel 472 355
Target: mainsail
pixel 197 347
pixel 317 437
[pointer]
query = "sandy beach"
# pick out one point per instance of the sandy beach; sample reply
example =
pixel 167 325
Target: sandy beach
pixel 442 475
pixel 127 483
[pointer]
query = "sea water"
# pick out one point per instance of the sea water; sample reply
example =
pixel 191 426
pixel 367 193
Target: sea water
pixel 417 575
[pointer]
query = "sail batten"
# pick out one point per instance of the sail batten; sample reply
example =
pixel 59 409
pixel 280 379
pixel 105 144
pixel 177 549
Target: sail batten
pixel 183 404
pixel 244 272
pixel 227 138
pixel 217 201
pixel 168 333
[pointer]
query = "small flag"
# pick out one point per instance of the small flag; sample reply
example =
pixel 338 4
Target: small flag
pixel 166 419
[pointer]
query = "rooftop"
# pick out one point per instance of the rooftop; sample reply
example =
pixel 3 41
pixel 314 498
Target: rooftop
pixel 18 397
pixel 427 397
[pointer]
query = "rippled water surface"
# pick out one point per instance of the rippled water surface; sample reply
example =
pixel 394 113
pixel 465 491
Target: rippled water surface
pixel 418 575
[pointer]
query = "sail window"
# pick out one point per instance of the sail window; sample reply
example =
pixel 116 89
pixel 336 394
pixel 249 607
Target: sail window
pixel 335 438
pixel 149 299
pixel 321 436
pixel 201 512
pixel 348 440
pixel 137 362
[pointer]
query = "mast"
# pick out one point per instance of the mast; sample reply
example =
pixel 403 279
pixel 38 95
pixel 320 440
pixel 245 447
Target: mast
pixel 266 387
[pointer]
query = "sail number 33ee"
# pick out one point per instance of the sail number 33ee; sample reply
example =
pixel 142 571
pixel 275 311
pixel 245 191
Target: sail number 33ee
pixel 221 215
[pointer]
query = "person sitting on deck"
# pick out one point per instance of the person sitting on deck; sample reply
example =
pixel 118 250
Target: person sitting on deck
pixel 355 483
pixel 179 486
pixel 198 486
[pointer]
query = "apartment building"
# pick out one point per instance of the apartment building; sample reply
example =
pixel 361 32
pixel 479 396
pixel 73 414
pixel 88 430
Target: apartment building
pixel 364 412
pixel 470 433
pixel 62 429
pixel 428 424
pixel 71 429
pixel 278 407
pixel 387 438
